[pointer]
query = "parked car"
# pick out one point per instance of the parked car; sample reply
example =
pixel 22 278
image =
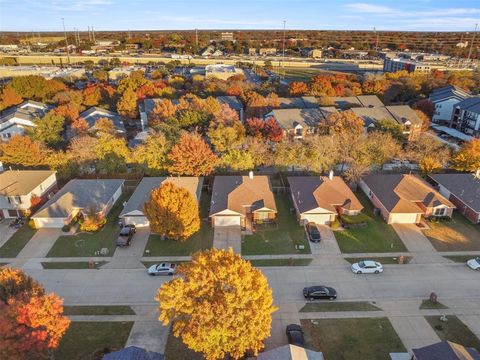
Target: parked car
pixel 125 236
pixel 367 267
pixel 295 335
pixel 474 264
pixel 313 233
pixel 319 292
pixel 162 269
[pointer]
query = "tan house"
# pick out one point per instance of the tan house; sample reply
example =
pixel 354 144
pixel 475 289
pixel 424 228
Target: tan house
pixel 405 198
pixel 240 200
pixel 267 51
pixel 320 199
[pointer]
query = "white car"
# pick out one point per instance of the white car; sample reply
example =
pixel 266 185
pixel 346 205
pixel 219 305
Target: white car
pixel 162 269
pixel 367 267
pixel 474 264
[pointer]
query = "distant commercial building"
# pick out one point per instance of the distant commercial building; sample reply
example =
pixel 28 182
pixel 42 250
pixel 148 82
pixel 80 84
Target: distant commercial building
pixel 311 52
pixel 227 36
pixel 445 99
pixel 252 51
pixel 221 71
pixel 466 116
pixel 394 65
pixel 132 46
pixel 267 51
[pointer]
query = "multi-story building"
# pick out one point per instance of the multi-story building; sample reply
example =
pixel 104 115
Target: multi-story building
pixel 13 121
pixel 466 116
pixel 394 65
pixel 445 99
pixel 227 36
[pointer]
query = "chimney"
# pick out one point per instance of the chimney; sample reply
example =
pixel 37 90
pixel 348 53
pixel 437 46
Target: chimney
pixel 330 175
pixel 250 174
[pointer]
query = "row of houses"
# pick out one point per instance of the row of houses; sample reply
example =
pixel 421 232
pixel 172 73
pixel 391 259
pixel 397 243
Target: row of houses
pixel 243 200
pixel 456 109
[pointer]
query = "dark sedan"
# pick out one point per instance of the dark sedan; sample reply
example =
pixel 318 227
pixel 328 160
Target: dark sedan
pixel 295 335
pixel 319 292
pixel 125 236
pixel 313 233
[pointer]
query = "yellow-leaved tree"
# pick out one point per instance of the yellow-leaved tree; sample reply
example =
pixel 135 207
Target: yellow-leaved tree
pixel 220 305
pixel 172 212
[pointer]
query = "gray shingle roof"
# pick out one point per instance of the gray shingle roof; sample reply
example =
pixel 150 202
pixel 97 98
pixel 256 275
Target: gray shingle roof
pixel 404 113
pixel 231 101
pixel 373 114
pixel 93 114
pixel 345 101
pixel 470 104
pixel 22 182
pixel 290 352
pixel 28 110
pixel 447 92
pixel 465 187
pixel 290 118
pixel 370 100
pixel 133 353
pixel 145 187
pixel 446 350
pixel 79 194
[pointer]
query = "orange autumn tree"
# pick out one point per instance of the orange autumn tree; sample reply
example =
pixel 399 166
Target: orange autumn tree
pixel 31 321
pixel 23 151
pixel 172 212
pixel 220 305
pixel 192 156
pixel 468 158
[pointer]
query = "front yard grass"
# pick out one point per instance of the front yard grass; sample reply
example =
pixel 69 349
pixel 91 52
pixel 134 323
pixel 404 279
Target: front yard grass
pixel 381 259
pixel 282 238
pixel 98 310
pixel 339 306
pixel 281 262
pixel 85 244
pixel 88 340
pixel 376 236
pixel 201 240
pixel 362 338
pixel 459 234
pixel 17 242
pixel 71 265
pixel 454 330
pixel 427 304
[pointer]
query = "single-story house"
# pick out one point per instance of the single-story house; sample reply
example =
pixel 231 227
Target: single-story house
pixel 14 120
pixel 371 115
pixel 237 200
pixel 234 103
pixel 78 197
pixel 290 352
pixel 93 114
pixel 347 102
pixel 405 198
pixel 22 190
pixel 300 122
pixel 132 213
pixel 463 190
pixel 445 350
pixel 320 199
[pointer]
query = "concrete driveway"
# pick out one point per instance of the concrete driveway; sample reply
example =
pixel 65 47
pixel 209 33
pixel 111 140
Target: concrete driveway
pixel 226 237
pixel 6 231
pixel 129 257
pixel 413 238
pixel 40 244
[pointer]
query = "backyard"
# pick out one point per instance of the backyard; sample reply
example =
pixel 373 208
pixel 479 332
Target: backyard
pixel 87 340
pixel 459 234
pixel 454 330
pixel 376 236
pixel 203 239
pixel 17 242
pixel 85 244
pixel 344 339
pixel 282 238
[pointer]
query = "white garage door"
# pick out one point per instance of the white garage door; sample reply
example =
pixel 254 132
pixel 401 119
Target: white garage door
pixel 403 218
pixel 49 222
pixel 322 219
pixel 139 221
pixel 227 220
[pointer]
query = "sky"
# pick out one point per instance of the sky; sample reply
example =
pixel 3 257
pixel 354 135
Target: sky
pixel 412 15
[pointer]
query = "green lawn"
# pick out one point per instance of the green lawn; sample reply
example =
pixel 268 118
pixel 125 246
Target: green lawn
pixel 175 349
pixel 89 340
pixel 345 339
pixel 454 330
pixel 461 258
pixel 427 304
pixel 201 240
pixel 98 310
pixel 281 238
pixel 17 242
pixel 377 236
pixel 299 74
pixel 86 244
pixel 381 259
pixel 459 234
pixel 339 306
pixel 281 262
pixel 71 265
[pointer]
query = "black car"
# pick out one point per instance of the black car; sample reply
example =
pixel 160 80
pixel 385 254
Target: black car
pixel 295 335
pixel 319 292
pixel 125 236
pixel 313 233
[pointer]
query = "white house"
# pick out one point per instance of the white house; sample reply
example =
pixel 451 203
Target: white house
pixel 13 121
pixel 445 99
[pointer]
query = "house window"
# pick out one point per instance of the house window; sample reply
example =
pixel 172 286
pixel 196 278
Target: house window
pixel 440 212
pixel 298 132
pixel 15 200
pixel 262 215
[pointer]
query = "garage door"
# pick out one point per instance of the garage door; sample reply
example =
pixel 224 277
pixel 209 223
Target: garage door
pixel 322 219
pixel 49 222
pixel 403 219
pixel 139 221
pixel 227 220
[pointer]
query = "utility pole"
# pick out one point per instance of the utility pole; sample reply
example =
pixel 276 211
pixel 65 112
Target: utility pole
pixel 93 33
pixel 66 41
pixel 376 38
pixel 283 48
pixel 196 38
pixel 473 39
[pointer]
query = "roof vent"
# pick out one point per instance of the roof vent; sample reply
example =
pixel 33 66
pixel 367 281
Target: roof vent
pixel 250 174
pixel 330 175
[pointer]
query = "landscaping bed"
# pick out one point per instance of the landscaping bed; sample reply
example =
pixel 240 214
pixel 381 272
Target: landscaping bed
pixel 339 306
pixel 17 242
pixel 89 340
pixel 454 330
pixel 428 304
pixel 284 237
pixel 360 338
pixel 376 236
pixel 281 262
